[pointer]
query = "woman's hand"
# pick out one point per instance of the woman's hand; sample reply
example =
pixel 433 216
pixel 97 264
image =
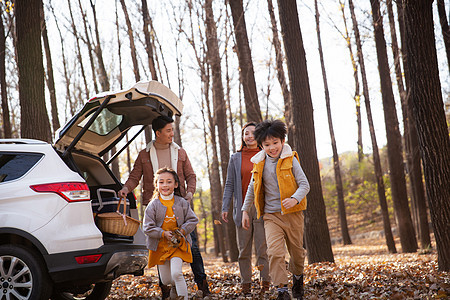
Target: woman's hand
pixel 225 216
pixel 245 220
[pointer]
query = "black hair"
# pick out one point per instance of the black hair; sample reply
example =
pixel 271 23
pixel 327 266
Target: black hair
pixel 161 122
pixel 176 191
pixel 270 129
pixel 243 144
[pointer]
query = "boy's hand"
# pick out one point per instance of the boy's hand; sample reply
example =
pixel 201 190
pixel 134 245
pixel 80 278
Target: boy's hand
pixel 245 220
pixel 289 202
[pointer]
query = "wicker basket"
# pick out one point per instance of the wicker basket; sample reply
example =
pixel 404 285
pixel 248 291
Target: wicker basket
pixel 118 223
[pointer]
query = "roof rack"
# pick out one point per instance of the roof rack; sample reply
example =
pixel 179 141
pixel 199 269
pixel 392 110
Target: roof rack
pixel 21 141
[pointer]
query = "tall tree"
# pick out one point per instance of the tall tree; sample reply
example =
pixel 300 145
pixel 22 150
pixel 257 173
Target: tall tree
pixel 376 155
pixel 394 141
pixel 247 74
pixel 50 79
pixel 337 169
pixel 317 235
pixel 357 96
pixel 427 103
pixel 220 114
pixel 410 137
pixel 148 42
pixel 34 119
pixel 279 57
pixel 445 28
pixel 7 132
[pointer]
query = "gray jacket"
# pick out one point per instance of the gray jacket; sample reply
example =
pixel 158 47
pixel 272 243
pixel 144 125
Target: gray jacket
pixel 154 218
pixel 233 188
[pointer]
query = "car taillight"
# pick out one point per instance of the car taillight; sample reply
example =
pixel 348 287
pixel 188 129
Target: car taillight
pixel 70 191
pixel 88 259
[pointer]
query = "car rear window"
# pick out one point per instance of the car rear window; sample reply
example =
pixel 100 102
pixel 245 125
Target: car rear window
pixel 105 122
pixel 15 165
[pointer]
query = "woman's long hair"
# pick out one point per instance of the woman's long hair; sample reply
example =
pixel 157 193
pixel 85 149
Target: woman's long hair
pixel 243 144
pixel 176 191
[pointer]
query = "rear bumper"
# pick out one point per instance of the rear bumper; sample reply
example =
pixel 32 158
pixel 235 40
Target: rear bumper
pixel 116 260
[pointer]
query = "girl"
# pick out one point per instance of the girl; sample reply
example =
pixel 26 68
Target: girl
pixel 238 178
pixel 167 212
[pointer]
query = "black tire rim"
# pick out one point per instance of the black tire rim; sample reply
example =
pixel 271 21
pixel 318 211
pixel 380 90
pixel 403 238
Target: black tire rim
pixel 16 280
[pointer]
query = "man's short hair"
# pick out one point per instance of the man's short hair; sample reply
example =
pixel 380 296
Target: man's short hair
pixel 270 129
pixel 161 122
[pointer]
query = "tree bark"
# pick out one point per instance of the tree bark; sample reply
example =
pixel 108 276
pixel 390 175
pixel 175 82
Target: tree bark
pixel 410 137
pixel 394 141
pixel 427 103
pixel 137 76
pixel 376 156
pixel 316 235
pixel 245 62
pixel 220 114
pixel 7 132
pixel 337 169
pixel 50 79
pixel 34 119
pixel 148 43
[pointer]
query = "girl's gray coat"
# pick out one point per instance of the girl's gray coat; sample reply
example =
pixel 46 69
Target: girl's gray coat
pixel 154 218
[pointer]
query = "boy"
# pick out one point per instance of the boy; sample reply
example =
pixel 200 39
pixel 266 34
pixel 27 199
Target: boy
pixel 278 189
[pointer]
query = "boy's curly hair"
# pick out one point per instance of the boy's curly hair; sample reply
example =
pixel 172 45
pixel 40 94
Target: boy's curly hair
pixel 270 129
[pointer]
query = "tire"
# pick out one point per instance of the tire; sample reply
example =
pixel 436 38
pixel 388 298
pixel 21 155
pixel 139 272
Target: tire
pixel 98 291
pixel 23 275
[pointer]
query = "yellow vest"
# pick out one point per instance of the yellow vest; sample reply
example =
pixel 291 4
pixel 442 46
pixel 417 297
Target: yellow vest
pixel 286 184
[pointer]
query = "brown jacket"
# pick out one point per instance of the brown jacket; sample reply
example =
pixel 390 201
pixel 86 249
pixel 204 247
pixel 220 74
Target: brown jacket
pixel 143 167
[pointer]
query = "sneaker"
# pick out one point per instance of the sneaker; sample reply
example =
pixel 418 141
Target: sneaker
pixel 283 296
pixel 165 291
pixel 297 287
pixel 203 286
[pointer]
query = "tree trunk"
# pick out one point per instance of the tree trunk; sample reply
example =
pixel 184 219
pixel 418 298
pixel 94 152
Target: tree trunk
pixel 245 62
pixel 280 72
pixel 89 44
pixel 317 235
pixel 50 79
pixel 34 119
pixel 220 114
pixel 445 28
pixel 394 140
pixel 7 132
pixel 357 96
pixel 337 170
pixel 80 59
pixel 64 62
pixel 427 103
pixel 410 136
pixel 376 156
pixel 148 43
pixel 132 45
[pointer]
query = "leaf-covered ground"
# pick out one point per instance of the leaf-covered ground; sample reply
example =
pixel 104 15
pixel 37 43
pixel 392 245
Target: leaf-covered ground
pixel 363 270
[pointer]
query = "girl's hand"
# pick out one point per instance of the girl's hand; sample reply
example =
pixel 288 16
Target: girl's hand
pixel 167 234
pixel 289 202
pixel 245 220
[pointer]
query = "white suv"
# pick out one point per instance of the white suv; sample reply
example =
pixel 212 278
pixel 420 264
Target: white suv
pixel 50 246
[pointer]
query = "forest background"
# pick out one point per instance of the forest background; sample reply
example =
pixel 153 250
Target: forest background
pixel 196 49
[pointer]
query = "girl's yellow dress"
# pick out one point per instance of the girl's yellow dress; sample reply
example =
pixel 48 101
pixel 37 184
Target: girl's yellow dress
pixel 164 251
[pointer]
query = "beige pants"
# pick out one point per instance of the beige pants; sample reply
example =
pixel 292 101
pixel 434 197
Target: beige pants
pixel 281 231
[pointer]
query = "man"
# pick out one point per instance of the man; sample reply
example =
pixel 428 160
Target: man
pixel 159 153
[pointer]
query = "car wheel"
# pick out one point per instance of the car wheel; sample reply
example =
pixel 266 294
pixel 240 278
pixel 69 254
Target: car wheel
pixel 23 274
pixel 98 291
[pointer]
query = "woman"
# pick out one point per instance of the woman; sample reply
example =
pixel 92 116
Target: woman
pixel 238 178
